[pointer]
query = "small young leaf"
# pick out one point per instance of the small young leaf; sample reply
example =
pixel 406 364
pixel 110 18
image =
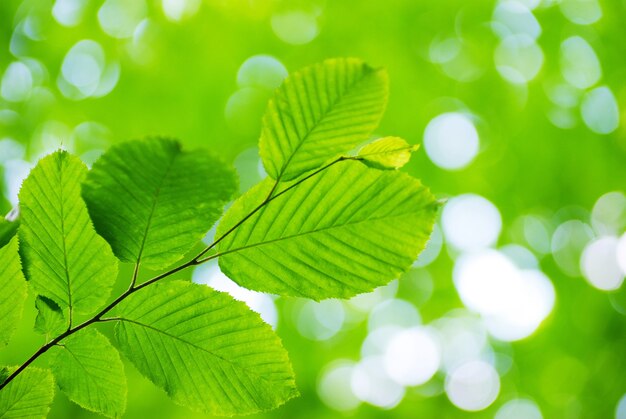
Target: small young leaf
pixel 12 291
pixel 343 232
pixel 153 202
pixel 387 153
pixel 50 319
pixel 65 259
pixel 8 229
pixel 29 395
pixel 206 350
pixel 88 369
pixel 320 112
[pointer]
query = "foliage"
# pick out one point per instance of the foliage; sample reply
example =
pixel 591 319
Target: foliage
pixel 325 226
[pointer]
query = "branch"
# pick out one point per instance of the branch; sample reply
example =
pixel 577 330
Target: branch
pixel 134 288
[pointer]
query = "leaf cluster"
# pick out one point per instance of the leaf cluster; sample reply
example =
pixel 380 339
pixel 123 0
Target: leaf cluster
pixel 324 224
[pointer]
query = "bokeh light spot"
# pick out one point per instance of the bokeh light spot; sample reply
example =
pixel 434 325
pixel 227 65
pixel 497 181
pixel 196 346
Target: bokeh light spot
pixel 521 256
pixel 581 12
pixel 514 18
pixel 579 63
pixel 261 71
pixel 11 150
pixel 295 27
pixel 600 266
pixel 334 386
pixel 178 10
pixel 463 338
pixel 119 18
pixel 17 82
pixel 451 141
pixel 395 312
pixel 244 110
pixel 600 111
pixel 69 12
pixel 513 302
pixel 15 171
pixel 372 385
pixel 211 275
pixel 320 320
pixel 432 250
pixel 620 410
pixel 84 72
pixel 412 357
pixel 518 58
pixel 621 253
pixel 568 242
pixel 519 409
pixel 473 386
pixel 608 216
pixel 471 222
pixel 444 50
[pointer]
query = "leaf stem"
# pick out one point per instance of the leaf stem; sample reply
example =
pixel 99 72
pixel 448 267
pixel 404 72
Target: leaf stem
pixel 135 275
pixel 134 288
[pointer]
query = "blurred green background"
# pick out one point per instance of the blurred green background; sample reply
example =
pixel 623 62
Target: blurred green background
pixel 514 311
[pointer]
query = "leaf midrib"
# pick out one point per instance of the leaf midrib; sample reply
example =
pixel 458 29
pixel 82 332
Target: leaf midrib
pixel 262 243
pixel 392 151
pixel 153 208
pixel 63 239
pixel 326 112
pixel 147 326
pixel 17 401
pixel 90 378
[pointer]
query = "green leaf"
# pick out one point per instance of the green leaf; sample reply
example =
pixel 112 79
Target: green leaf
pixel 29 395
pixel 387 153
pixel 153 202
pixel 12 291
pixel 206 350
pixel 65 259
pixel 4 374
pixel 320 112
pixel 342 232
pixel 8 229
pixel 89 370
pixel 50 319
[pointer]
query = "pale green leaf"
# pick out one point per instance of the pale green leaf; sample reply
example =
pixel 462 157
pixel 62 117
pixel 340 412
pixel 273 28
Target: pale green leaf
pixel 28 396
pixel 206 350
pixel 88 369
pixel 12 291
pixel 51 320
pixel 342 232
pixel 387 153
pixel 65 259
pixel 153 202
pixel 320 112
pixel 8 229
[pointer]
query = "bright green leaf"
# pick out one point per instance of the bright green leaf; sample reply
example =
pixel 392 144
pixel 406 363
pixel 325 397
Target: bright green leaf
pixel 65 259
pixel 345 231
pixel 206 350
pixel 12 291
pixel 153 202
pixel 4 374
pixel 320 112
pixel 50 319
pixel 29 395
pixel 89 370
pixel 387 153
pixel 8 229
